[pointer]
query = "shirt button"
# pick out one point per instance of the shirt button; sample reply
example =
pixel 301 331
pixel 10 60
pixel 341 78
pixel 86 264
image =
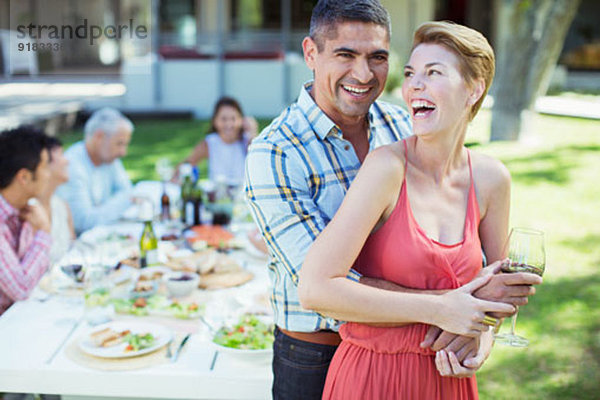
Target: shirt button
pixel 346 147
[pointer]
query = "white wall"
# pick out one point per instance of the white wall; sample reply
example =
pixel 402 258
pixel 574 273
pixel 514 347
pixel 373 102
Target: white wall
pixel 192 85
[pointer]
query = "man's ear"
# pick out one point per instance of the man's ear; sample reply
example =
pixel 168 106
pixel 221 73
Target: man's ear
pixel 310 50
pixel 23 176
pixel 98 136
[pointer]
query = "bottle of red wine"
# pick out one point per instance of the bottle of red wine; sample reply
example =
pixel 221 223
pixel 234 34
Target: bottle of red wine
pixel 165 205
pixel 186 194
pixel 198 201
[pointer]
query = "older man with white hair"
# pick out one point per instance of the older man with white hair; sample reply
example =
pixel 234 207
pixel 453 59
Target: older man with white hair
pixel 99 189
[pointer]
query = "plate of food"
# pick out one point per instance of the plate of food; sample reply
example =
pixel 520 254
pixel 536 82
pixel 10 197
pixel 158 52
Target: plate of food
pixel 250 336
pixel 160 306
pixel 143 289
pixel 124 339
pixel 210 235
pixel 153 273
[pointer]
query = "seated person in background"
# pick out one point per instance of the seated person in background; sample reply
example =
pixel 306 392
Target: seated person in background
pixel 24 224
pixel 99 190
pixel 227 143
pixel 62 231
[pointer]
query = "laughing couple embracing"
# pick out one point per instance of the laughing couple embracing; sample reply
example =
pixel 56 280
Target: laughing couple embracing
pixel 381 218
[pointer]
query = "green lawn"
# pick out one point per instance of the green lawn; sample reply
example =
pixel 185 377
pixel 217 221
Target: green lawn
pixel 554 173
pixel 554 189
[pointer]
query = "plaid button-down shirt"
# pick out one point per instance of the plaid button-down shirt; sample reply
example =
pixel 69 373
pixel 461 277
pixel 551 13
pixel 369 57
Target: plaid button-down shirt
pixel 297 173
pixel 24 256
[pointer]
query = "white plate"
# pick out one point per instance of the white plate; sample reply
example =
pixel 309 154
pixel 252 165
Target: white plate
pixel 149 271
pixel 124 274
pixel 246 356
pixel 162 336
pixel 244 352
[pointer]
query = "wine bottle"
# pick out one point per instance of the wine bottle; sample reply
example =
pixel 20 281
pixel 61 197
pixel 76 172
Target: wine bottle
pixel 165 205
pixel 198 201
pixel 148 246
pixel 186 193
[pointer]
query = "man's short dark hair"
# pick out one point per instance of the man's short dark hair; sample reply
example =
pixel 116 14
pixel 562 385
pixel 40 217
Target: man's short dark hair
pixel 328 13
pixel 20 148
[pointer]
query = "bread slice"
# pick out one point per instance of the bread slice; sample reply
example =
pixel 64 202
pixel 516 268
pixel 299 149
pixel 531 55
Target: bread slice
pixel 108 337
pixel 100 336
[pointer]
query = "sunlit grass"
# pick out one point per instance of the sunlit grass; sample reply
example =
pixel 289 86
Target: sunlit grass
pixel 555 173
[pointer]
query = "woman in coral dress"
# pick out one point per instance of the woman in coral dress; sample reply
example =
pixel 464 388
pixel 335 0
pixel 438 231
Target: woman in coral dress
pixel 418 214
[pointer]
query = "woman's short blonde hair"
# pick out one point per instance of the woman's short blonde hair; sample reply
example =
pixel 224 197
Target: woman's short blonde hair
pixel 475 54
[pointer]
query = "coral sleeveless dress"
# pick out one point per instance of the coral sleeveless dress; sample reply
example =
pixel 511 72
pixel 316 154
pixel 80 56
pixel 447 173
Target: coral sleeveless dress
pixel 387 363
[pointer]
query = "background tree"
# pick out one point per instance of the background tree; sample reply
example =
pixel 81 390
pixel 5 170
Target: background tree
pixel 531 34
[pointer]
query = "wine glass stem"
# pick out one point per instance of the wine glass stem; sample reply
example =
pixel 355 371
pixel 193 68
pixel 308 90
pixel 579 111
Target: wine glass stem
pixel 513 323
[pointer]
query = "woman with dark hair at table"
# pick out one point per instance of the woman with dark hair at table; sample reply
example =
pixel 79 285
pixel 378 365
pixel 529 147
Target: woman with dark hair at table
pixel 62 231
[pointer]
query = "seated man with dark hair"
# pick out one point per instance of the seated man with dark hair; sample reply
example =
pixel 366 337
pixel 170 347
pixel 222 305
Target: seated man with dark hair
pixel 24 225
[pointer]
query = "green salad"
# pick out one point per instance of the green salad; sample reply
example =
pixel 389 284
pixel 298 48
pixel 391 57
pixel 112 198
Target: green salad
pixel 158 305
pixel 248 334
pixel 136 342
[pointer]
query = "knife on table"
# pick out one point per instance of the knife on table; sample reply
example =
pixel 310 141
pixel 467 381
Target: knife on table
pixel 183 342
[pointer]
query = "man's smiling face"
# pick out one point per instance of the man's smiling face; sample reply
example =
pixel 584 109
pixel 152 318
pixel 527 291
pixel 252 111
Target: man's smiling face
pixel 350 70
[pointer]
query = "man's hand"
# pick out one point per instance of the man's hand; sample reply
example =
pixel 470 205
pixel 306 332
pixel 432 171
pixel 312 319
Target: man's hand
pixel 448 365
pixel 514 288
pixel 37 216
pixel 462 347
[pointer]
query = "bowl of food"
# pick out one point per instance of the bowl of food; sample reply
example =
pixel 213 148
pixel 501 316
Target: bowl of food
pixel 181 284
pixel 251 337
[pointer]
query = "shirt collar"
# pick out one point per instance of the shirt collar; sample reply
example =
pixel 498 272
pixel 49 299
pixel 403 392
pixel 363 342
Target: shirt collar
pixel 6 210
pixel 321 124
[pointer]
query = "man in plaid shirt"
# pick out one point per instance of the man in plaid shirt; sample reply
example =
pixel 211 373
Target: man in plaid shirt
pixel 300 167
pixel 24 224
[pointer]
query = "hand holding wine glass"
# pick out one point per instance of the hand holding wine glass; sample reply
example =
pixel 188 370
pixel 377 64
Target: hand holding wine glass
pixel 526 253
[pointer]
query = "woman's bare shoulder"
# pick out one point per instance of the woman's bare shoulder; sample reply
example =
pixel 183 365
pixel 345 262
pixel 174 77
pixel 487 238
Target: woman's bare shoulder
pixel 489 173
pixel 389 158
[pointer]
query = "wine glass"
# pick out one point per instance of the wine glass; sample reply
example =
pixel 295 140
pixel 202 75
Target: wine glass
pixel 526 254
pixel 164 169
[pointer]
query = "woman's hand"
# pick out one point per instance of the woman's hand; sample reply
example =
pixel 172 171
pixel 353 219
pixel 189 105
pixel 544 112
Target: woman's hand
pixel 461 313
pixel 250 127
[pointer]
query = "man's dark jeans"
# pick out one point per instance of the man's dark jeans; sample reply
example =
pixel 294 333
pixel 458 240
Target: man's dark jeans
pixel 299 368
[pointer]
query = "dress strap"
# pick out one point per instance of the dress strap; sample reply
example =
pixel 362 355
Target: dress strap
pixel 406 157
pixel 470 168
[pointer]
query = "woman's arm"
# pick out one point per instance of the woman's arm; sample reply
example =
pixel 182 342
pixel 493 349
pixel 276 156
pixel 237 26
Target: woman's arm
pixel 324 288
pixel 494 181
pixel 199 153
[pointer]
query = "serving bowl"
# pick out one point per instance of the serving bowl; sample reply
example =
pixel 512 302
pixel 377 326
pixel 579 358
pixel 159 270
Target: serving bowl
pixel 181 284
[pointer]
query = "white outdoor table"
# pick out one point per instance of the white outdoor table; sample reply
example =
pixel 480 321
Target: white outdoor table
pixel 32 330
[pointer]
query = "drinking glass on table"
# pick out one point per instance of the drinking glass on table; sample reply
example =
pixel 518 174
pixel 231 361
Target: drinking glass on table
pixel 164 169
pixel 526 254
pixel 96 291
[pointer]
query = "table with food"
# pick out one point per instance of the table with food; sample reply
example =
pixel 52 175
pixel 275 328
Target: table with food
pixel 162 304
